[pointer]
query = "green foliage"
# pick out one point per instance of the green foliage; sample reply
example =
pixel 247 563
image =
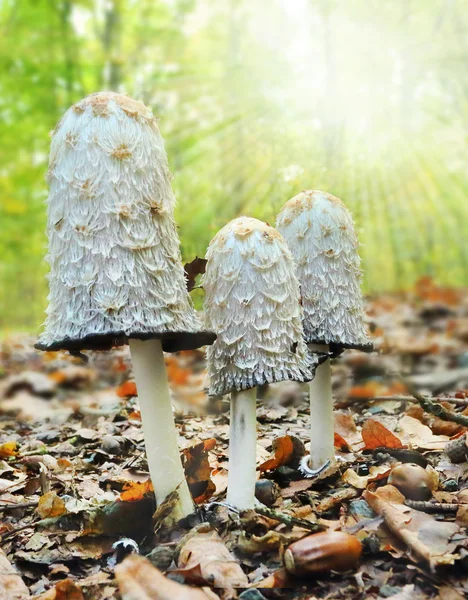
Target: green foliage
pixel 365 99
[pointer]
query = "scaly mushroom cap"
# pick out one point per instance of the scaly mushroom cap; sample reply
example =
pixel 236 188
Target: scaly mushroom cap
pixel 252 303
pixel 319 231
pixel 115 264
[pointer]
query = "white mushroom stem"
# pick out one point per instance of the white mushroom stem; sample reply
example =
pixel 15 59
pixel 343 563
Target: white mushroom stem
pixel 242 449
pixel 322 447
pixel 162 451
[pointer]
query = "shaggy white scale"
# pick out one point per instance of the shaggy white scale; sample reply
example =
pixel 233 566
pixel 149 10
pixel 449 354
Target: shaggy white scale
pixel 319 231
pixel 115 264
pixel 252 303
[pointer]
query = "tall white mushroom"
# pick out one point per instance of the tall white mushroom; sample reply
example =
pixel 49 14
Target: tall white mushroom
pixel 252 303
pixel 319 230
pixel 116 275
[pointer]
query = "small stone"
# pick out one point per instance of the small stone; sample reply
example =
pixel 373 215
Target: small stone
pixel 111 444
pixel 252 595
pixel 450 485
pixel 161 557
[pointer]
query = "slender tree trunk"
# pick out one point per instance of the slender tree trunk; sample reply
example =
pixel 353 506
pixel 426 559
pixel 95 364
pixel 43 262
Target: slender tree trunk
pixel 111 41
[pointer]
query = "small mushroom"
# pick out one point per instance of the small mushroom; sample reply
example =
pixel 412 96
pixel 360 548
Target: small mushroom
pixel 319 231
pixel 252 303
pixel 116 275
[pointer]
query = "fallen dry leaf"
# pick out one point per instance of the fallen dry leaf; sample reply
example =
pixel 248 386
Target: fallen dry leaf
pixel 8 449
pixel 136 490
pixel 139 580
pixel 204 558
pixel 345 427
pixel 360 482
pixel 340 443
pixel 427 538
pixel 279 579
pixel 418 435
pixel 198 470
pixel 50 505
pixel 12 587
pixel 376 435
pixel 127 390
pixel 63 590
pixel 287 449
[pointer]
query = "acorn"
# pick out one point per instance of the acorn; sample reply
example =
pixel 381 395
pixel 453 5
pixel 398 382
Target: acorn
pixel 267 492
pixel 322 552
pixel 414 482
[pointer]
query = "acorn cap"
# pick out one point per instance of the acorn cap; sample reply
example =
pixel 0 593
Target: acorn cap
pixel 319 230
pixel 252 303
pixel 115 264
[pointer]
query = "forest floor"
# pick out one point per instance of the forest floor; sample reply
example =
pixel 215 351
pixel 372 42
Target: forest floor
pixel 74 489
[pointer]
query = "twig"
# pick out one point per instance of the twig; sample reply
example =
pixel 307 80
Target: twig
pixel 6 507
pixel 432 506
pixel 288 519
pixel 432 407
pixel 9 534
pixel 457 401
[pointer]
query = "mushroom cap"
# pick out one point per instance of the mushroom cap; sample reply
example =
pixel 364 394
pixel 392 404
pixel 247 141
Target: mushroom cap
pixel 319 231
pixel 252 303
pixel 115 264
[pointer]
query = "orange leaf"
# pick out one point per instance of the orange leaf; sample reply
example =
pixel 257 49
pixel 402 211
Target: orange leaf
pixel 127 390
pixel 340 443
pixel 376 435
pixel 63 590
pixel 136 490
pixel 8 449
pixel 287 449
pixel 50 505
pixel 367 390
pixel 176 374
pixel 198 470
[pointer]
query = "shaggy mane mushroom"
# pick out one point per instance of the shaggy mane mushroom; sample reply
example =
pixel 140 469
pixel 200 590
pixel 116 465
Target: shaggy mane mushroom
pixel 116 275
pixel 252 303
pixel 319 231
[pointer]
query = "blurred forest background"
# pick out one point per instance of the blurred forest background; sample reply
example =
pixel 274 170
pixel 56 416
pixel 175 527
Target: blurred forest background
pixel 366 99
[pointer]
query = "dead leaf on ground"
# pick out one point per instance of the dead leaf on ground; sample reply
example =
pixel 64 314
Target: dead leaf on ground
pixel 8 449
pixel 345 427
pixel 12 587
pixel 204 558
pixel 198 470
pixel 128 389
pixel 414 433
pixel 50 505
pixel 340 443
pixel 63 590
pixel 277 580
pixel 112 519
pixel 136 490
pixel 427 538
pixel 139 580
pixel 287 449
pixel 376 435
pixel 360 482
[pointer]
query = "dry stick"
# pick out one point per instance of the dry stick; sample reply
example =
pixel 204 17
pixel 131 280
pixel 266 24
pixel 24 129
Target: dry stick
pixel 6 507
pixel 432 506
pixel 432 407
pixel 458 401
pixel 288 519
